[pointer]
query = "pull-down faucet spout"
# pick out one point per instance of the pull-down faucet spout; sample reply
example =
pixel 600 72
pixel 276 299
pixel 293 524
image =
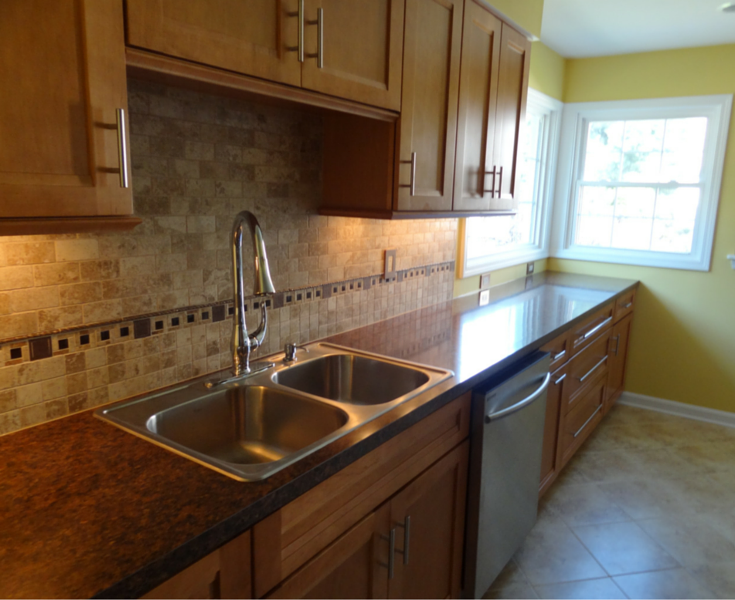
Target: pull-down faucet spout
pixel 242 341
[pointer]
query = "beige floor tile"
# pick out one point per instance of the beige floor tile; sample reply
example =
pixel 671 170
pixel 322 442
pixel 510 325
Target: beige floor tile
pixel 615 465
pixel 692 542
pixel 672 583
pixel 719 579
pixel 710 457
pixel 644 498
pixel 590 588
pixel 609 437
pixel 630 415
pixel 584 504
pixel 624 548
pixel 510 576
pixel 661 464
pixel 553 554
pixel 699 493
pixel 513 591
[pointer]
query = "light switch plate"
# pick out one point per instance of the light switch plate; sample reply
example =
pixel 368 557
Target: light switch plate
pixel 389 268
pixel 484 297
pixel 530 267
pixel 484 281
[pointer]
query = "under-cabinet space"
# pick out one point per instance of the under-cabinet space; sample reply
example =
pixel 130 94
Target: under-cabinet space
pixel 64 160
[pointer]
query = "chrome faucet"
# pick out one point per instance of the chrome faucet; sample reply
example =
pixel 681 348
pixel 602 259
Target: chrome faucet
pixel 242 341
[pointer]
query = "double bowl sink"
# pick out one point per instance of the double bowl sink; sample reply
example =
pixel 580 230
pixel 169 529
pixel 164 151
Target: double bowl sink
pixel 253 427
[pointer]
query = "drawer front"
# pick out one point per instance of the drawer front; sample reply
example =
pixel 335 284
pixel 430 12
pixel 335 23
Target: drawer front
pixel 559 350
pixel 587 366
pixel 586 332
pixel 624 305
pixel 582 419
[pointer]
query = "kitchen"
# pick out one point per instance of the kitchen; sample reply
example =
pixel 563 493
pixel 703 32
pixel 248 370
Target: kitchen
pixel 91 318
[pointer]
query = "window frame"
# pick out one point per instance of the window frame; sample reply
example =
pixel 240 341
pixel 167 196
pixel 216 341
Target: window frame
pixel 539 247
pixel 575 119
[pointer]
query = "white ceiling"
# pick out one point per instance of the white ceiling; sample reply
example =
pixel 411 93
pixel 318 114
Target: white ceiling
pixel 582 28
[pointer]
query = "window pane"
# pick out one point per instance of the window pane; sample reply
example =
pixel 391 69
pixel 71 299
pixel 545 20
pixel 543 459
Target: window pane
pixel 594 231
pixel 672 236
pixel 683 150
pixel 632 233
pixel 597 201
pixel 681 203
pixel 642 150
pixel 604 151
pixel 635 202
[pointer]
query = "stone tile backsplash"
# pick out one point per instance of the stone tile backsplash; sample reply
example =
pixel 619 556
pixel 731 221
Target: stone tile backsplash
pixel 71 306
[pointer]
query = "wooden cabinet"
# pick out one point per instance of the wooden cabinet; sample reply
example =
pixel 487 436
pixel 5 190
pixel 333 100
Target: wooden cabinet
pixel 550 463
pixel 619 341
pixel 428 123
pixel 581 419
pixel 225 573
pixel 62 154
pixel 351 50
pixel 492 100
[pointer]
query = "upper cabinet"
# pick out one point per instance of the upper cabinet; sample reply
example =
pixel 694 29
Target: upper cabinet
pixel 350 50
pixel 64 163
pixel 454 150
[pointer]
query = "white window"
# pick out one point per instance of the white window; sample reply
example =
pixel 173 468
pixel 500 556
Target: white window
pixel 639 181
pixel 503 241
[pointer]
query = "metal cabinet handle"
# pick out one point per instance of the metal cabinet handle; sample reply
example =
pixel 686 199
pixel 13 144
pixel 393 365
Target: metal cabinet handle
pixel 558 356
pixel 519 405
pixel 122 149
pixel 391 566
pixel 300 47
pixel 319 38
pixel 593 369
pixel 494 172
pixel 617 344
pixel 406 538
pixel 412 185
pixel 592 416
pixel 500 182
pixel 624 306
pixel 562 378
pixel 594 330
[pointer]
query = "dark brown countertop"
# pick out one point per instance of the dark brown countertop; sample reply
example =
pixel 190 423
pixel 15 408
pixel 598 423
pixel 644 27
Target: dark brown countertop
pixel 87 509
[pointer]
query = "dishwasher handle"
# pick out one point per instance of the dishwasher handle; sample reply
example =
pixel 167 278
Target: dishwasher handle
pixel 490 417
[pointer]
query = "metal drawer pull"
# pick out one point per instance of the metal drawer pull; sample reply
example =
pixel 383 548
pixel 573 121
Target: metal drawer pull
pixel 406 537
pixel 594 330
pixel 627 305
pixel 391 566
pixel 592 416
pixel 500 182
pixel 519 405
pixel 319 38
pixel 411 185
pixel 494 172
pixel 593 369
pixel 558 356
pixel 617 344
pixel 300 48
pixel 562 378
pixel 122 149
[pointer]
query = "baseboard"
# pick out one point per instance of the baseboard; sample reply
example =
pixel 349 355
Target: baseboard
pixel 698 413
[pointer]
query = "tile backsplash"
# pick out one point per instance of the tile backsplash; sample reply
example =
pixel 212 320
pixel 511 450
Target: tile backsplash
pixel 72 306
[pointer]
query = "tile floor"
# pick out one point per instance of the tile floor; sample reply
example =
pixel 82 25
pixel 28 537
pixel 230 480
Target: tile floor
pixel 646 509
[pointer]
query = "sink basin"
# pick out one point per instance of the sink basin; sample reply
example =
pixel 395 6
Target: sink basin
pixel 252 427
pixel 248 425
pixel 353 379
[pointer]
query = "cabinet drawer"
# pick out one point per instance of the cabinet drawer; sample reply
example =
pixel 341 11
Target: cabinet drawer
pixel 624 305
pixel 582 419
pixel 586 332
pixel 587 366
pixel 559 350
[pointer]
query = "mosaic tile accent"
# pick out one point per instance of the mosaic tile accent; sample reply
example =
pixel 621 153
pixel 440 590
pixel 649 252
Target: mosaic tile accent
pixel 197 160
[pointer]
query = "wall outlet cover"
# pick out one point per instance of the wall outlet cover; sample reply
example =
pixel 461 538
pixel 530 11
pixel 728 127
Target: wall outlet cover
pixel 484 281
pixel 389 268
pixel 484 297
pixel 530 267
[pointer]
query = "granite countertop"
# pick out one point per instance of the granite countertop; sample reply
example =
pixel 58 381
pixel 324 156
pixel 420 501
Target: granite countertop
pixel 89 510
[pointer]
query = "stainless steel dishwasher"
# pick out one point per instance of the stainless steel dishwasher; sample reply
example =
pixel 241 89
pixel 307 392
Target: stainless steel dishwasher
pixel 507 428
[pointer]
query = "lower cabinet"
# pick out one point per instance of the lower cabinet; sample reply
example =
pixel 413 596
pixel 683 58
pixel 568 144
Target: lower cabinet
pixel 409 547
pixel 550 463
pixel 618 354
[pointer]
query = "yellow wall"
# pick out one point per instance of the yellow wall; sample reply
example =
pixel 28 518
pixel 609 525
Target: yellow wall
pixel 546 76
pixel 525 13
pixel 683 345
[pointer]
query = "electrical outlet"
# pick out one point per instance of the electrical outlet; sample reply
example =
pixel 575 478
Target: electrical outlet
pixel 484 297
pixel 389 268
pixel 529 268
pixel 484 281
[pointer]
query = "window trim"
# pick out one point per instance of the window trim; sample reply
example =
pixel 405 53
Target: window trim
pixel 717 108
pixel 539 248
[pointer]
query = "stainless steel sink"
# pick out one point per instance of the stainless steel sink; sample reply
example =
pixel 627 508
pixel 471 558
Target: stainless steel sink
pixel 352 378
pixel 255 426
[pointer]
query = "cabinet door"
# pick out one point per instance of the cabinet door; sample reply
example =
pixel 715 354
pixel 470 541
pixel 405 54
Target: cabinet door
pixel 515 57
pixel 247 36
pixel 428 123
pixel 428 517
pixel 549 451
pixel 63 67
pixel 618 355
pixel 473 186
pixel 354 566
pixel 359 53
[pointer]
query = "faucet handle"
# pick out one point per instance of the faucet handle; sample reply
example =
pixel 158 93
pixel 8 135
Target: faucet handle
pixel 289 351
